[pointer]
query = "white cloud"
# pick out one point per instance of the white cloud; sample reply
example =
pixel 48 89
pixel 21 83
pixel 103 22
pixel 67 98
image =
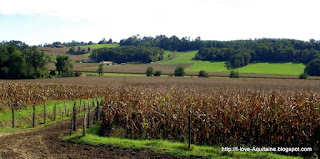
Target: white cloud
pixel 210 19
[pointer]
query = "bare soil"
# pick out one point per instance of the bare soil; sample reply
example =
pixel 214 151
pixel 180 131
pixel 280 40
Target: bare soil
pixel 46 143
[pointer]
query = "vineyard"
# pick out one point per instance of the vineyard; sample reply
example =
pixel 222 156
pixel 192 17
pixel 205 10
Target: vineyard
pixel 226 112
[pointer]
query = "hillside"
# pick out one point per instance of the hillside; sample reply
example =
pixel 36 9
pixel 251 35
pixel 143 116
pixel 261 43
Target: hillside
pixel 285 68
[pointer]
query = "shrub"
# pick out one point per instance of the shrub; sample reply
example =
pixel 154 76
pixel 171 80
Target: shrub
pixel 52 73
pixel 303 76
pixel 234 74
pixel 179 71
pixel 149 71
pixel 203 73
pixel 313 68
pixel 158 73
pixel 77 74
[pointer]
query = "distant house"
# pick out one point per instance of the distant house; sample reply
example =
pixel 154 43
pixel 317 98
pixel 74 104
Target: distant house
pixel 123 63
pixel 107 63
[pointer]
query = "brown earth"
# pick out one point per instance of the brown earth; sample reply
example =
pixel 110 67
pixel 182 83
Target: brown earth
pixel 62 51
pixel 46 143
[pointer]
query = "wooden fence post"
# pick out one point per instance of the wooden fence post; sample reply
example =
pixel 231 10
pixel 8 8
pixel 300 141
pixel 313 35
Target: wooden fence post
pixel 67 113
pixel 97 101
pixel 54 112
pixel 71 128
pixel 96 117
pixel 74 117
pixel 12 117
pixel 88 124
pixel 84 125
pixel 44 113
pixel 189 128
pixel 34 116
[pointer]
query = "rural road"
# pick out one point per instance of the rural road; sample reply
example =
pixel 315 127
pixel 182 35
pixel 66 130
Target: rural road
pixel 45 143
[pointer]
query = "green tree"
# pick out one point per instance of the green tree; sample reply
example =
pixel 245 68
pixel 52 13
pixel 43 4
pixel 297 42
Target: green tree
pixel 179 71
pixel 37 62
pixel 158 73
pixel 303 76
pixel 100 69
pixel 228 65
pixel 203 73
pixel 64 65
pixel 313 68
pixel 234 74
pixel 72 50
pixel 17 65
pixel 149 71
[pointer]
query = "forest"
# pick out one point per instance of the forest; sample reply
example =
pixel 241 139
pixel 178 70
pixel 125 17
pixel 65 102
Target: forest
pixel 238 52
pixel 128 54
pixel 18 60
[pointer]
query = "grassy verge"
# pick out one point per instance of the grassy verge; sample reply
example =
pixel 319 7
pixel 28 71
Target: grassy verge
pixel 163 146
pixel 23 118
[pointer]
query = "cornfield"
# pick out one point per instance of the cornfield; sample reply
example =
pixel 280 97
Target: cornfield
pixel 220 116
pixel 18 95
pixel 251 112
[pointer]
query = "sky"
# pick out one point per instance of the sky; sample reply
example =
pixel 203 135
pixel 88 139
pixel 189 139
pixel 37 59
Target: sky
pixel 46 21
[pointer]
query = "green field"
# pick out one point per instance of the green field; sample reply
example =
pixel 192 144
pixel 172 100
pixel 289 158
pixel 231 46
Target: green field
pixel 274 68
pixel 97 46
pixel 166 147
pixel 208 66
pixel 179 58
pixel 288 68
pixel 23 117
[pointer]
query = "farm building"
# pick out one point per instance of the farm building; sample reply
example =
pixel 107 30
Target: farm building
pixel 107 63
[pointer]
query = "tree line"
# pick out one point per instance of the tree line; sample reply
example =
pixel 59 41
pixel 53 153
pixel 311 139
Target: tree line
pixel 79 51
pixel 58 44
pixel 128 54
pixel 18 60
pixel 239 53
pixel 263 53
pixel 174 43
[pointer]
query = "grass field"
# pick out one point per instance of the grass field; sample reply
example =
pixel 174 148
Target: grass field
pixel 274 68
pixel 180 58
pixel 288 68
pixel 97 46
pixel 167 147
pixel 23 117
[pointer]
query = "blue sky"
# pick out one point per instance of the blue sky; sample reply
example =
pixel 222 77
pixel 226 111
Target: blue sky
pixel 46 21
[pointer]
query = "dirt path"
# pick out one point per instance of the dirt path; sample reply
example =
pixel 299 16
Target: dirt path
pixel 45 143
